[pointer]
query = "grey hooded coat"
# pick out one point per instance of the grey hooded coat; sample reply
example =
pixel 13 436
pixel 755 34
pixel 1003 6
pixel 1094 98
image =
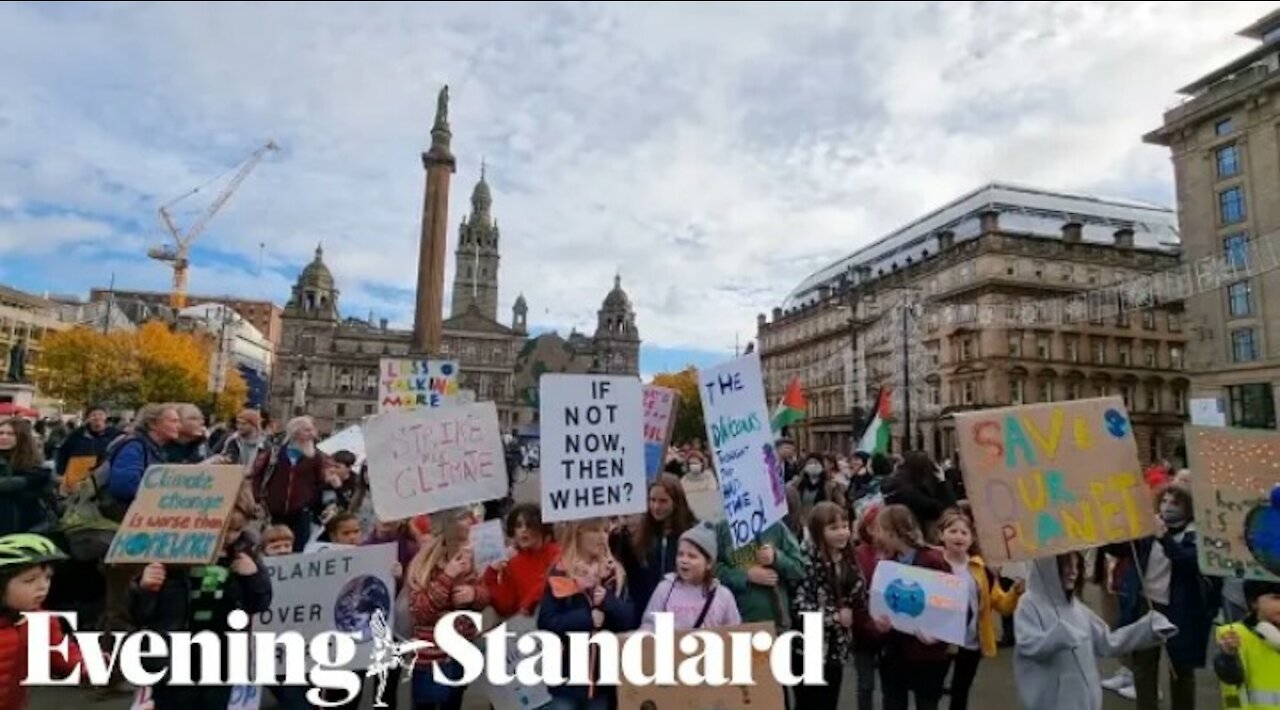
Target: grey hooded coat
pixel 1060 640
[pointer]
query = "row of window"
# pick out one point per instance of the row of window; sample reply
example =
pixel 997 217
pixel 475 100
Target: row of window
pixel 969 392
pixel 969 348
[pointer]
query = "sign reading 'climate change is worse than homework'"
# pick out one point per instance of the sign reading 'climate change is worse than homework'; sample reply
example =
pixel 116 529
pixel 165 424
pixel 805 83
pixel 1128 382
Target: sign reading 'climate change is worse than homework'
pixel 178 515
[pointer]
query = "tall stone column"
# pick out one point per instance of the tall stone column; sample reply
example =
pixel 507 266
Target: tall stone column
pixel 440 165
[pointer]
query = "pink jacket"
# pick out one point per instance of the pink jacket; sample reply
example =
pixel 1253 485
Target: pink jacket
pixel 686 601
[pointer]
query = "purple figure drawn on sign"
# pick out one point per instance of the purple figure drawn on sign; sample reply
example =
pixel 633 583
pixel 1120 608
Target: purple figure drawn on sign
pixel 774 466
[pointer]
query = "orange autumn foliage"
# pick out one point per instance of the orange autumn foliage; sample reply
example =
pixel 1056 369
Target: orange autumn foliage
pixel 689 421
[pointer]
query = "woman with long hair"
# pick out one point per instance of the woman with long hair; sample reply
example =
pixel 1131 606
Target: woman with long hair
pixel 24 482
pixel 917 486
pixel 647 550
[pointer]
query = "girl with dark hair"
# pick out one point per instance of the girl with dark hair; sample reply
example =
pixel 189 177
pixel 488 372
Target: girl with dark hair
pixel 24 482
pixel 516 585
pixel 916 485
pixel 648 550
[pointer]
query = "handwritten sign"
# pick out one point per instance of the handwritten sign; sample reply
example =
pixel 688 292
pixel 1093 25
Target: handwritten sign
pixel 349 439
pixel 243 697
pixel 765 692
pixel 488 543
pixel 593 445
pixel 407 383
pixel 514 696
pixel 426 460
pixel 742 442
pixel 659 418
pixel 1235 480
pixel 178 515
pixel 917 599
pixel 1044 479
pixel 330 590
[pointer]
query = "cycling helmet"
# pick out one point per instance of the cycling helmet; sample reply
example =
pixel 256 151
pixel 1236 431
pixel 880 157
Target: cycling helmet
pixel 25 549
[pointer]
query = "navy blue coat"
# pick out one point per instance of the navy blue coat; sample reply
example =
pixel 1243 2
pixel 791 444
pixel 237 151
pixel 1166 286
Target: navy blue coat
pixel 565 608
pixel 1192 604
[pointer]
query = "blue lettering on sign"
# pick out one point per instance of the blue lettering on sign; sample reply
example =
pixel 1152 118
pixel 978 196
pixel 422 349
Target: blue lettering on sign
pixel 166 545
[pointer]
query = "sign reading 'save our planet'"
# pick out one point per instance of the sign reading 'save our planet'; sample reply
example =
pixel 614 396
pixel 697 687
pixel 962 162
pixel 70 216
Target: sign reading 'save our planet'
pixel 592 447
pixel 178 516
pixel 426 460
pixel 1044 479
pixel 411 383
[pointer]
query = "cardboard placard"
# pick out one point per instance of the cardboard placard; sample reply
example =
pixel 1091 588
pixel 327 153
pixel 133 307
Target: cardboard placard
pixel 1235 476
pixel 77 468
pixel 488 543
pixel 1044 479
pixel 592 445
pixel 178 515
pixel 349 439
pixel 765 694
pixel 918 599
pixel 741 440
pixel 659 420
pixel 405 384
pixel 514 696
pixel 331 590
pixel 426 460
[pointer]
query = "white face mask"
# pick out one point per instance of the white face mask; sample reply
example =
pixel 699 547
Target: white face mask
pixel 813 470
pixel 695 468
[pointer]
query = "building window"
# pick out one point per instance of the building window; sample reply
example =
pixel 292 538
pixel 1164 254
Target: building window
pixel 1124 354
pixel 344 380
pixel 1068 273
pixel 966 349
pixel 1092 275
pixel 1038 270
pixel 1046 391
pixel 1073 348
pixel 1243 348
pixel 935 395
pixel 1017 391
pixel 1175 322
pixel 1015 343
pixel 307 344
pixel 1126 393
pixel 1149 319
pixel 1153 398
pixel 1240 299
pixel 1011 267
pixel 1228 158
pixel 1236 250
pixel 1223 127
pixel 1122 317
pixel 371 382
pixel 1231 208
pixel 1074 391
pixel 368 410
pixel 933 352
pixel 342 409
pixel 1044 347
pixel 1252 406
pixel 1104 390
pixel 1175 357
pixel 1149 356
pixel 1179 400
pixel 1099 351
pixel 970 392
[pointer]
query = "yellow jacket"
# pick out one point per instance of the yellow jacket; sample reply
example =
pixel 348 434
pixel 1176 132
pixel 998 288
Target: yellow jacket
pixel 992 600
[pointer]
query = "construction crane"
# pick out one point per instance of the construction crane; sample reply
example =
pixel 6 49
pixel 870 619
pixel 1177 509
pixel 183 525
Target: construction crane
pixel 178 253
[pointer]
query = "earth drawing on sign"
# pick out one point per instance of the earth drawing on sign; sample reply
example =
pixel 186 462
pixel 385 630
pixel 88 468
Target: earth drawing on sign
pixel 906 597
pixel 356 604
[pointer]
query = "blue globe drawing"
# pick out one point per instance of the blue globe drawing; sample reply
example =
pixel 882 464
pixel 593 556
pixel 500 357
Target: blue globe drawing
pixel 905 596
pixel 356 603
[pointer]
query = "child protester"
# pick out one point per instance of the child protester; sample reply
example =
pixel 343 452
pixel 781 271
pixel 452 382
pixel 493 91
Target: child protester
pixel 1248 663
pixel 196 598
pixel 342 491
pixel 26 568
pixel 832 585
pixel 692 594
pixel 442 579
pixel 586 592
pixel 1059 638
pixel 987 599
pixel 647 550
pixel 516 585
pixel 761 573
pixel 277 540
pixel 866 647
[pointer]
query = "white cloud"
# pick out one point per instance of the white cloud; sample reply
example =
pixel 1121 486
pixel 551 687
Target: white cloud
pixel 714 154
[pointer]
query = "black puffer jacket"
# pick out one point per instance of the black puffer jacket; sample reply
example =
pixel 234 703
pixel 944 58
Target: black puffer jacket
pixel 24 495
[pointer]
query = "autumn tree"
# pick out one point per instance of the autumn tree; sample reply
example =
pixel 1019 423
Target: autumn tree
pixel 82 366
pixel 689 422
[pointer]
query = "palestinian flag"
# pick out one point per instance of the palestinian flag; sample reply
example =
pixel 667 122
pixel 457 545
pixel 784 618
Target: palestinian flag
pixel 792 407
pixel 875 438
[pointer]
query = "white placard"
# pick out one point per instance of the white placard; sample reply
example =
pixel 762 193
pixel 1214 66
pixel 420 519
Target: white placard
pixel 426 460
pixel 1207 411
pixel 514 696
pixel 918 599
pixel 330 590
pixel 489 543
pixel 592 447
pixel 741 440
pixel 406 384
pixel 349 439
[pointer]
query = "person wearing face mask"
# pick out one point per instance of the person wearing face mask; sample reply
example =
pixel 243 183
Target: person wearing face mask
pixel 1171 584
pixel 701 489
pixel 815 485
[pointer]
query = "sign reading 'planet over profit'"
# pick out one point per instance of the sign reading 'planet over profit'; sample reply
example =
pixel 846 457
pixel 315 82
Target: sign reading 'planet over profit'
pixel 1044 479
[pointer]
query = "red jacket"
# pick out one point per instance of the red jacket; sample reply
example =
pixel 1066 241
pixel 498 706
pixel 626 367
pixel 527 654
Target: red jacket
pixel 285 488
pixel 427 605
pixel 13 660
pixel 519 588
pixel 866 556
pixel 906 647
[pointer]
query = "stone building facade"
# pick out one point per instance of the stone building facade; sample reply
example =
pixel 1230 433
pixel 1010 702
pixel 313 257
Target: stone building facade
pixel 1226 162
pixel 972 306
pixel 264 315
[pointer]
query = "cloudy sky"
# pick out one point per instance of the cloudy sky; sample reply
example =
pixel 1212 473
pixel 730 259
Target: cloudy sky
pixel 714 154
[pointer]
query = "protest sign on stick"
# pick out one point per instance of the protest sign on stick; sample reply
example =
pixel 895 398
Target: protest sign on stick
pixel 592 447
pixel 426 460
pixel 918 599
pixel 1235 479
pixel 659 419
pixel 415 383
pixel 742 442
pixel 488 543
pixel 1044 479
pixel 331 590
pixel 349 439
pixel 765 693
pixel 178 516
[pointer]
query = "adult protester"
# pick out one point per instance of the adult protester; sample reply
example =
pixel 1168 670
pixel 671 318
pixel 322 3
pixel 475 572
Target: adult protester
pixel 916 486
pixel 289 478
pixel 84 447
pixel 192 445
